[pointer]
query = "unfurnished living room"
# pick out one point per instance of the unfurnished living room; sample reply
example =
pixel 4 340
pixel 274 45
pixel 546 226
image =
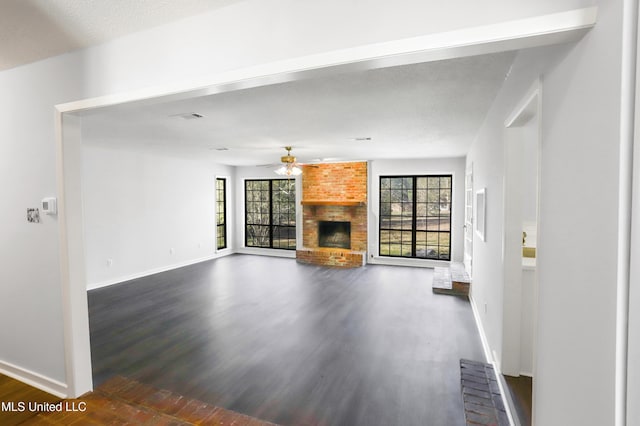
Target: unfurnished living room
pixel 319 213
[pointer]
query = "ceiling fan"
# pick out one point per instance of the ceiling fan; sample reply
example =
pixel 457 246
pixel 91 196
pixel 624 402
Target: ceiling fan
pixel 289 165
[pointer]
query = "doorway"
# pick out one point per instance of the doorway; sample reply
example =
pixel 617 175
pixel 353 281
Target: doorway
pixel 522 177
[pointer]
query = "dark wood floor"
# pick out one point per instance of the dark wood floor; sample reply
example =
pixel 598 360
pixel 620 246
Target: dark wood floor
pixel 521 389
pixel 290 343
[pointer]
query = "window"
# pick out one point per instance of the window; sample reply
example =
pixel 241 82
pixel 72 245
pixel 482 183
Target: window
pixel 270 213
pixel 221 213
pixel 415 216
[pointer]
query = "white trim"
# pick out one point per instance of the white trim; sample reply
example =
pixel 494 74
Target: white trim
pixel 373 216
pixel 483 337
pixel 506 399
pixel 481 213
pixel 75 311
pixel 512 35
pixel 407 261
pixel 34 379
pixel 291 254
pixel 227 182
pixel 625 185
pixel 527 108
pixel 119 280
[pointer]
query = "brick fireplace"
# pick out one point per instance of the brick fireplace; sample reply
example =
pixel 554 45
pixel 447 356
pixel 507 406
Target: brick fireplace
pixel 334 203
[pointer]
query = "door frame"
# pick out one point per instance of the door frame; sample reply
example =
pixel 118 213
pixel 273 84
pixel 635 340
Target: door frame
pixel 529 108
pixel 468 220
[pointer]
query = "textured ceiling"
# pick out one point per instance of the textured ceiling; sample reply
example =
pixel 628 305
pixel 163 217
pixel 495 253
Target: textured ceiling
pixel 417 111
pixel 31 30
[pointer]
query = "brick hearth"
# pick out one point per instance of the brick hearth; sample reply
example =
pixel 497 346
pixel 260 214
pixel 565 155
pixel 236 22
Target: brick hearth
pixel 334 192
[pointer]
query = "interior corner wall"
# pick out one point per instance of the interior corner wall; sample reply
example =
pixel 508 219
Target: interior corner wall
pixel 575 348
pixel 146 211
pixel 453 166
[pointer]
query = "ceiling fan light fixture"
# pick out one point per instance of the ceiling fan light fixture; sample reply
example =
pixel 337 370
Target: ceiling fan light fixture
pixel 289 166
pixel 289 170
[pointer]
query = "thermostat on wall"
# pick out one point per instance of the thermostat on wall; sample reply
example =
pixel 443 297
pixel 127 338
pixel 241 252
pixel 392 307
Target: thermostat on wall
pixel 49 205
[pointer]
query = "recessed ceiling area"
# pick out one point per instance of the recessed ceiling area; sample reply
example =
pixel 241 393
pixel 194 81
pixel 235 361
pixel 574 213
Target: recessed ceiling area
pixel 426 110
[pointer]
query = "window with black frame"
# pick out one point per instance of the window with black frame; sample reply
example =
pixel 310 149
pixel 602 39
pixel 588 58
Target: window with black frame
pixel 221 213
pixel 415 216
pixel 270 213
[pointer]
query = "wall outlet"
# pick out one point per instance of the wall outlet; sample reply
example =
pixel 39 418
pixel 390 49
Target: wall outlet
pixel 172 250
pixel 485 307
pixel 109 263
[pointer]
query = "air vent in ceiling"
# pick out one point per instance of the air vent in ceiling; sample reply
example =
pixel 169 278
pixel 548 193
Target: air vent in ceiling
pixel 187 116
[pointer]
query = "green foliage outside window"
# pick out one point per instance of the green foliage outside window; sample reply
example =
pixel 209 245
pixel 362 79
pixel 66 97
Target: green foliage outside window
pixel 270 213
pixel 415 216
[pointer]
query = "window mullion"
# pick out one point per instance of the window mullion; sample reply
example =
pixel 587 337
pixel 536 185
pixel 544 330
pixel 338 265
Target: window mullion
pixel 414 214
pixel 271 213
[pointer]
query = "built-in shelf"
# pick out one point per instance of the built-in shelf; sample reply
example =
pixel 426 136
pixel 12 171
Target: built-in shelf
pixel 334 203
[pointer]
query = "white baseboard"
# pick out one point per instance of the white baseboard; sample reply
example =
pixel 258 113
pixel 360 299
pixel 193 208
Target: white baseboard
pixel 400 261
pixel 291 254
pixel 483 337
pixel 491 359
pixel 93 286
pixel 36 380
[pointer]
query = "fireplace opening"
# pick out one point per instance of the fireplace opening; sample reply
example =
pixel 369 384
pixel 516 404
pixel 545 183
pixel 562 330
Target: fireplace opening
pixel 334 234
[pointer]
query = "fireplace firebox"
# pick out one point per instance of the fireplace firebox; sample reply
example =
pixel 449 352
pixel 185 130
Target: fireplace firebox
pixel 334 234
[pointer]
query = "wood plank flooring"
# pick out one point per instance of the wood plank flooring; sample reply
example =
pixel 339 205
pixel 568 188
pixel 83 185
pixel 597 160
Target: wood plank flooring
pixel 521 389
pixel 118 401
pixel 290 343
pixel 13 392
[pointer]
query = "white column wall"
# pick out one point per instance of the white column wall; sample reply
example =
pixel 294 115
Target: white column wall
pixel 575 357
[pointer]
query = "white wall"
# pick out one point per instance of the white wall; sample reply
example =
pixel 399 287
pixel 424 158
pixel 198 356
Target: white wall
pixel 633 354
pixel 250 32
pixel 259 31
pixel 582 117
pixel 30 294
pixel 147 211
pixel 633 414
pixel 453 166
pixel 577 266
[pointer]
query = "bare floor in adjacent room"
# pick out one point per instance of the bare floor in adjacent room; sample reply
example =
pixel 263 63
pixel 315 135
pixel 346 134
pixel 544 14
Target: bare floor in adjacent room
pixel 290 343
pixel 521 389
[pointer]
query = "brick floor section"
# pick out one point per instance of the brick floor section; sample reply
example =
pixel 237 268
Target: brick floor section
pixel 481 395
pixel 121 401
pixel 451 280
